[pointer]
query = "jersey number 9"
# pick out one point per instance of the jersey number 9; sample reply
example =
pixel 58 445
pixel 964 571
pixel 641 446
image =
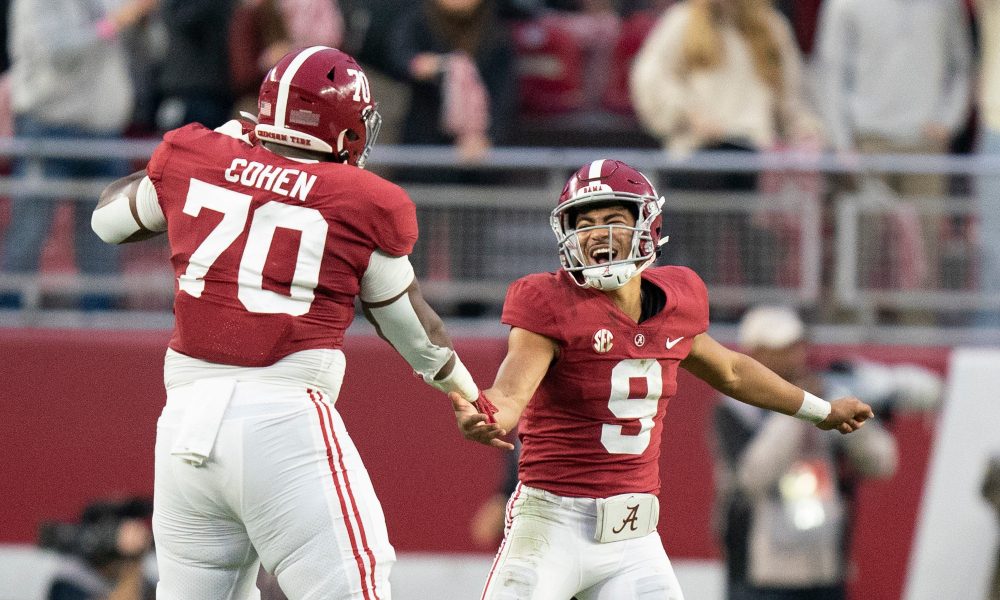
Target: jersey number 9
pixel 622 406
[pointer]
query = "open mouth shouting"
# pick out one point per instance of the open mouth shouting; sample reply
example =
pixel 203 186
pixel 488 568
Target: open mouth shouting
pixel 602 253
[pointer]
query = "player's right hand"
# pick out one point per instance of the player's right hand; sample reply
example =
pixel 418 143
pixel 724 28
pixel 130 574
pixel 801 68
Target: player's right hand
pixel 475 425
pixel 847 414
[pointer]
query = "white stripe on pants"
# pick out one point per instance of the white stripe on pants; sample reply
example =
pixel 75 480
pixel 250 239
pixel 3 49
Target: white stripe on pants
pixel 284 481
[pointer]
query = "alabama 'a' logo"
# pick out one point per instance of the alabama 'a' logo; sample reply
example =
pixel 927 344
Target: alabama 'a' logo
pixel 603 341
pixel 629 521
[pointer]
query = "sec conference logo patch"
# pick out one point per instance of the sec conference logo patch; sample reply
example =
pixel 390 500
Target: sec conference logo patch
pixel 603 341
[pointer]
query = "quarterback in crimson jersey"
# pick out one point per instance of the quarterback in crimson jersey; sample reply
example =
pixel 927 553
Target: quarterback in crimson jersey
pixel 274 230
pixel 591 363
pixel 610 369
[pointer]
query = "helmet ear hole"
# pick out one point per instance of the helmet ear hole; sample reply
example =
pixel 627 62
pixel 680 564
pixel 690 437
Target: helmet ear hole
pixel 351 135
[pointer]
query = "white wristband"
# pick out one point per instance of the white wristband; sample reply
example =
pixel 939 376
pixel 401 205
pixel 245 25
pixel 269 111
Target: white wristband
pixel 813 409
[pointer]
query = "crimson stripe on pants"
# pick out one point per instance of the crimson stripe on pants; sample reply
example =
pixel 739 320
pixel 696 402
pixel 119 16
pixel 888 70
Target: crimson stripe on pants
pixel 350 496
pixel 508 519
pixel 340 495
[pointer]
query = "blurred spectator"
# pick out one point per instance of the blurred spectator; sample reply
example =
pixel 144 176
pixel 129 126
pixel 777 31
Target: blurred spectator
pixel 456 56
pixel 721 75
pixel 262 31
pixel 488 523
pixel 639 19
pixel 370 25
pixel 258 38
pixel 595 26
pixel 894 77
pixel 370 32
pixel 146 48
pixel 69 79
pixel 784 489
pixel 716 74
pixel 103 552
pixel 988 18
pixel 195 77
pixel 313 23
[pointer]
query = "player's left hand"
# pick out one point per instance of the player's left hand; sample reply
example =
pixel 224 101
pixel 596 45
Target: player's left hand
pixel 475 426
pixel 847 414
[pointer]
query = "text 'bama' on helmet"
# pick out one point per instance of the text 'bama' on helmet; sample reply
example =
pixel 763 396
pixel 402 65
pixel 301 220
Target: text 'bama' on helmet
pixel 319 99
pixel 604 183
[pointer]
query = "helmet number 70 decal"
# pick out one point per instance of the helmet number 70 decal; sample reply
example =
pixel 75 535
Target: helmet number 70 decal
pixel 235 209
pixel 362 91
pixel 623 406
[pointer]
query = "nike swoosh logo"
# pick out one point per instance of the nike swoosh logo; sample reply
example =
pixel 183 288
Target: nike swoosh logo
pixel 671 343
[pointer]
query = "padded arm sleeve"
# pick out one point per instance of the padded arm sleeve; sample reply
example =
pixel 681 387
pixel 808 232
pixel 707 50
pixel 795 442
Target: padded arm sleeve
pixel 386 277
pixel 114 222
pixel 399 323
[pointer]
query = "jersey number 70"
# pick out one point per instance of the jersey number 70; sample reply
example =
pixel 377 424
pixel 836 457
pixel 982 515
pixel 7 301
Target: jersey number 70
pixel 235 209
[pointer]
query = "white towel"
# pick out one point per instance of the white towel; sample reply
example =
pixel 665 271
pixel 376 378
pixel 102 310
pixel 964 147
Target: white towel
pixel 205 405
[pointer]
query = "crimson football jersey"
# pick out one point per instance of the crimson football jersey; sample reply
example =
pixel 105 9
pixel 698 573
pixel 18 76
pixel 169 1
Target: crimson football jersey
pixel 268 252
pixel 594 425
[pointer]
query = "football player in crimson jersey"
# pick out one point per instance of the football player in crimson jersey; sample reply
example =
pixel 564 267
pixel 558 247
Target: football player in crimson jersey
pixel 591 363
pixel 274 230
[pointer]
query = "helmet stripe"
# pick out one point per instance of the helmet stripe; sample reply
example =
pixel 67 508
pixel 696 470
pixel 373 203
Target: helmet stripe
pixel 595 170
pixel 286 82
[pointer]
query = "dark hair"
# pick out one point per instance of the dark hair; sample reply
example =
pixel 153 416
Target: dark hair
pixel 94 538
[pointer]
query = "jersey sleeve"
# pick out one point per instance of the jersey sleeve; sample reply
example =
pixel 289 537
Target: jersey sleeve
pixel 158 162
pixel 528 306
pixel 394 224
pixel 696 297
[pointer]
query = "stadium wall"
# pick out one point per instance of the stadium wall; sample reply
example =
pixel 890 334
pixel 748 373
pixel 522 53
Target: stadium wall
pixel 79 418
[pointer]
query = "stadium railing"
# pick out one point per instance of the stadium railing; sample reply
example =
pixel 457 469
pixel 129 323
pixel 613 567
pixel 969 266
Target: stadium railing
pixel 845 252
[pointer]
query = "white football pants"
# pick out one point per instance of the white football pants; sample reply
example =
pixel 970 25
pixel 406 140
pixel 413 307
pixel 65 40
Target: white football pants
pixel 284 487
pixel 549 553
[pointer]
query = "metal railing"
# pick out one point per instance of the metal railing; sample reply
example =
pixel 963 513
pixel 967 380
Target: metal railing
pixel 476 238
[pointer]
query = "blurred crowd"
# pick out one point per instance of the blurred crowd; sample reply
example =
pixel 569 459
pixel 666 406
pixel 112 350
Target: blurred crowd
pixel 885 76
pixel 696 73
